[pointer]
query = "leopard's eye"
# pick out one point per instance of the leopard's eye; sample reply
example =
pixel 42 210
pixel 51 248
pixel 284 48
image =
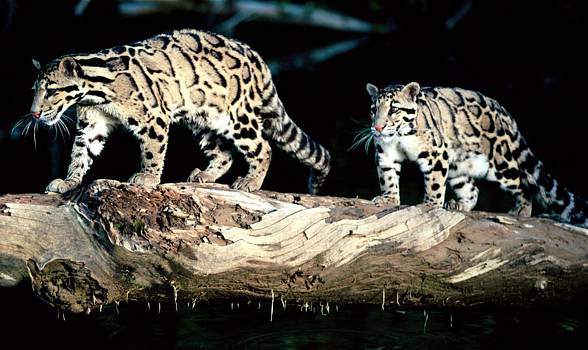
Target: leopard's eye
pixel 50 92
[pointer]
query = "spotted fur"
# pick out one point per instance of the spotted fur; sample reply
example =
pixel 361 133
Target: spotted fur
pixel 218 87
pixel 455 136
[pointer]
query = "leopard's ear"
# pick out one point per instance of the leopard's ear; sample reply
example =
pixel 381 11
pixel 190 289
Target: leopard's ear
pixel 372 89
pixel 411 90
pixel 36 64
pixel 70 67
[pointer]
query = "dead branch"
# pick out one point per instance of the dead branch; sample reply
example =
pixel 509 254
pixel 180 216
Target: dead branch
pixel 188 242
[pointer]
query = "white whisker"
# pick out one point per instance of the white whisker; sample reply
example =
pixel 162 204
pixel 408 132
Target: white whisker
pixel 20 123
pixel 363 136
pixel 62 129
pixel 16 126
pixel 56 130
pixel 66 130
pixel 35 134
pixel 25 130
pixel 67 118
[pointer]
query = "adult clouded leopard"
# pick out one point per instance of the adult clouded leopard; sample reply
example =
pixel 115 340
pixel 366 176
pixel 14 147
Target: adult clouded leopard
pixel 457 135
pixel 218 87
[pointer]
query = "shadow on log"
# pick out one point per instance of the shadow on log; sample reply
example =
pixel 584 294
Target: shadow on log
pixel 198 242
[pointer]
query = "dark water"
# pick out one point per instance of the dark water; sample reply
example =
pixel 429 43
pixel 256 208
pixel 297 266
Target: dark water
pixel 32 324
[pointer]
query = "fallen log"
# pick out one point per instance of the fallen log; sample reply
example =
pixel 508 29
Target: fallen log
pixel 200 242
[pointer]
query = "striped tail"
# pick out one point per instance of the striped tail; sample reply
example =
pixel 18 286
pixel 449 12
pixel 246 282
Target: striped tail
pixel 563 205
pixel 289 137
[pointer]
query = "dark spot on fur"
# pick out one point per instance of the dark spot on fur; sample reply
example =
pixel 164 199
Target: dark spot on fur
pixel 457 186
pixel 511 173
pixel 82 124
pixel 161 123
pixel 423 154
pixel 530 163
pixel 248 133
pixel 293 134
pixel 152 133
pixel 439 167
pixel 501 166
pixel 257 150
pixel 243 119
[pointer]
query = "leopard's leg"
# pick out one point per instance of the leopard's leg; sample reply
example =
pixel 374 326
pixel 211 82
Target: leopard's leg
pixel 466 192
pixel 389 164
pixel 434 166
pixel 257 153
pixel 505 170
pixel 510 180
pixel 92 131
pixel 153 141
pixel 220 159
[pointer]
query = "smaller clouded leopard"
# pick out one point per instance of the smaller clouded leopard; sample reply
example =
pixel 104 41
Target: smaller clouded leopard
pixel 218 87
pixel 456 135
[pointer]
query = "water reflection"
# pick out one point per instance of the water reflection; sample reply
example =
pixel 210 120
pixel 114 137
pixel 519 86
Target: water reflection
pixel 217 326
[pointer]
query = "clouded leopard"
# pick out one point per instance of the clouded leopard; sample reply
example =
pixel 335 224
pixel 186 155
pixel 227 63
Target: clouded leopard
pixel 456 135
pixel 218 87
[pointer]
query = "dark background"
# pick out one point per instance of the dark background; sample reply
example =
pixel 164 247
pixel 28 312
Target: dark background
pixel 530 56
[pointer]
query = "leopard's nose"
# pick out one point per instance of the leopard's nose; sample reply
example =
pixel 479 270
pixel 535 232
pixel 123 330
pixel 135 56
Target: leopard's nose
pixel 379 128
pixel 36 115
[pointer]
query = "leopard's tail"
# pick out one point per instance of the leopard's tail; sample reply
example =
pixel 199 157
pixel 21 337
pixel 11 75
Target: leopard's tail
pixel 293 140
pixel 562 204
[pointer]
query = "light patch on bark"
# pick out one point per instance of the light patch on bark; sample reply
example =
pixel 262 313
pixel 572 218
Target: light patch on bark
pixel 477 270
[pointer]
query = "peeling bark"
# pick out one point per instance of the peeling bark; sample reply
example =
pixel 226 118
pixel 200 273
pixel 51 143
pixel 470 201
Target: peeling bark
pixel 190 242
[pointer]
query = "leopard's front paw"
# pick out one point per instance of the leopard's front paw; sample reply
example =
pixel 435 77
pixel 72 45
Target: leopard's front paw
pixel 386 200
pixel 523 211
pixel 200 176
pixel 452 204
pixel 62 186
pixel 246 184
pixel 144 179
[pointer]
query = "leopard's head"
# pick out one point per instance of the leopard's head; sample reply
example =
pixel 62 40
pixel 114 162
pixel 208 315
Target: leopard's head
pixel 393 109
pixel 59 85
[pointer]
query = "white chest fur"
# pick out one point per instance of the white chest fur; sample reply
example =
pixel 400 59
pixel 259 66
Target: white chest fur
pixel 469 164
pixel 400 147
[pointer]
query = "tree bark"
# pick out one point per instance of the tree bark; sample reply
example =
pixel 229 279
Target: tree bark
pixel 191 242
